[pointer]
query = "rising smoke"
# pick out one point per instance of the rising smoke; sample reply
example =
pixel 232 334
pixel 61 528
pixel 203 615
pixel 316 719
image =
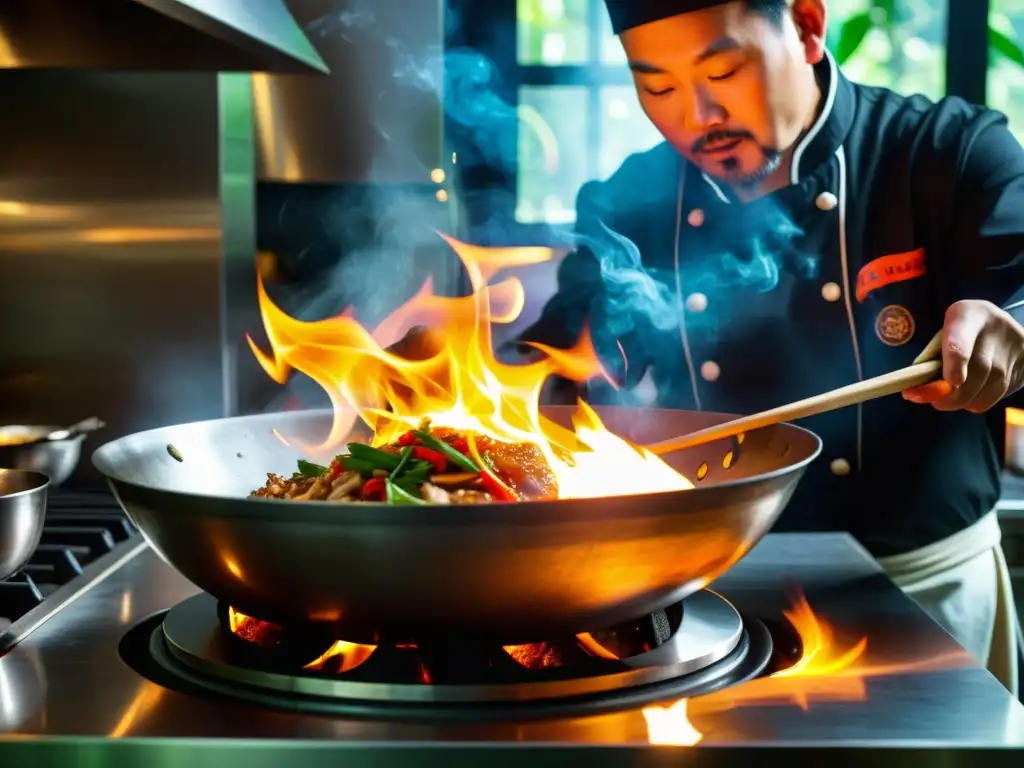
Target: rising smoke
pixel 483 130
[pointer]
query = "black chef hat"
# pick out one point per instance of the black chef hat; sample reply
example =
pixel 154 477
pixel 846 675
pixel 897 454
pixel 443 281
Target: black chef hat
pixel 626 14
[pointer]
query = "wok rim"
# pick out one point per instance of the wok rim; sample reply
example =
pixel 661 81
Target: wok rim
pixel 375 513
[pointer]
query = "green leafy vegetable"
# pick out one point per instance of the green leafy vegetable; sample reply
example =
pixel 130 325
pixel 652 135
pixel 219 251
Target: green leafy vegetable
pixel 398 496
pixel 353 464
pixel 410 473
pixel 374 456
pixel 413 476
pixel 429 441
pixel 309 469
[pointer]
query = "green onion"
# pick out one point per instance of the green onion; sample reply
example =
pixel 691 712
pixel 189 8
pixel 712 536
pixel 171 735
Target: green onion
pixel 364 468
pixel 402 461
pixel 378 458
pixel 413 476
pixel 429 441
pixel 410 475
pixel 309 469
pixel 397 496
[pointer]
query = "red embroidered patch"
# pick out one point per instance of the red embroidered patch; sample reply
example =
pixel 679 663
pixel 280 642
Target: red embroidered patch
pixel 888 270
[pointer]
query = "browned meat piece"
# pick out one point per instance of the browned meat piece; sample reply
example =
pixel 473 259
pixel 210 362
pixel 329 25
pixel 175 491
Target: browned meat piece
pixel 317 491
pixel 523 467
pixel 278 487
pixel 344 486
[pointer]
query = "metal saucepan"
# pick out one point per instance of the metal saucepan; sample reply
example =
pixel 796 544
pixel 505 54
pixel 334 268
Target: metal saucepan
pixel 22 513
pixel 41 448
pixel 516 572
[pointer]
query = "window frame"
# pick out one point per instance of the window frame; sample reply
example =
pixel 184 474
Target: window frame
pixel 491 29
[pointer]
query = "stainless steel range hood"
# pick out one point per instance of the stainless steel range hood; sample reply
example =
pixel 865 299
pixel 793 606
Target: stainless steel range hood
pixel 166 35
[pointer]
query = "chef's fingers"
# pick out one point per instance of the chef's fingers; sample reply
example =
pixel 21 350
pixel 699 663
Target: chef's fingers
pixel 959 334
pixel 980 375
pixel 931 352
pixel 993 392
pixel 930 392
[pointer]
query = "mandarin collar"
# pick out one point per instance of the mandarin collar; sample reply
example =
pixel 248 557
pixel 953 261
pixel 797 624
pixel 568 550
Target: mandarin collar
pixel 830 130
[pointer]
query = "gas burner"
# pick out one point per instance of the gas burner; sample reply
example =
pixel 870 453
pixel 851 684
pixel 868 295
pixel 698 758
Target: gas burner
pixel 696 646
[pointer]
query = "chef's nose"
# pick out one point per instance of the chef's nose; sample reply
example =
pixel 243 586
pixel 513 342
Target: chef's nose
pixel 703 112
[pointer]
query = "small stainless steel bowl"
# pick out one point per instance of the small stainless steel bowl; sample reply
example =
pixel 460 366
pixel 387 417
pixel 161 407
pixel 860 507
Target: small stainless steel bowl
pixel 22 513
pixel 55 458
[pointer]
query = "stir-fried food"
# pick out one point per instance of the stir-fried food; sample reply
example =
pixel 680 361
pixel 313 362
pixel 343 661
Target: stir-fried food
pixel 424 466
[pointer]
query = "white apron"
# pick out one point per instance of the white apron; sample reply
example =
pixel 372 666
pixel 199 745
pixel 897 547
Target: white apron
pixel 964 584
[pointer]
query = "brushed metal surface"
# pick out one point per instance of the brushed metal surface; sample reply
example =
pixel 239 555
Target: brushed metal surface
pixel 146 35
pixel 378 116
pixel 110 249
pixel 66 694
pixel 56 459
pixel 239 307
pixel 538 570
pixel 22 513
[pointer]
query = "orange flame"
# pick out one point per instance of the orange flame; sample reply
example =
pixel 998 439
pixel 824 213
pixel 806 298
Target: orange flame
pixel 350 656
pixel 265 633
pixel 826 670
pixel 462 385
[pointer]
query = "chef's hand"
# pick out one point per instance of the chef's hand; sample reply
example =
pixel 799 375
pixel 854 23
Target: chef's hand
pixel 982 359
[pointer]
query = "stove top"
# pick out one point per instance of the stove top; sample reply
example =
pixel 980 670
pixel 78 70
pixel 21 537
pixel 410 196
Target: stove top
pixel 875 672
pixel 694 647
pixel 83 528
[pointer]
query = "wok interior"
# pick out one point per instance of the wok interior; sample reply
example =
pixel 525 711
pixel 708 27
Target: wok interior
pixel 231 457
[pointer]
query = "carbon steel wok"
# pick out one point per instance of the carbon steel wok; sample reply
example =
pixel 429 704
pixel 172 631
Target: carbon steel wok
pixel 515 572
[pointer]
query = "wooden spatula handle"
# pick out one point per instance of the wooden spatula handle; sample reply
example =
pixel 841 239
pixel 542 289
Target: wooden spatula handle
pixel 880 386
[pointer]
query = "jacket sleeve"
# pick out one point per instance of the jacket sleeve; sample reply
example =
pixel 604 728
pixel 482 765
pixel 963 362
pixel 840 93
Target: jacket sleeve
pixel 583 299
pixel 988 216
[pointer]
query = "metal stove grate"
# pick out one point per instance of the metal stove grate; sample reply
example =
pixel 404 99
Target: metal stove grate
pixel 81 526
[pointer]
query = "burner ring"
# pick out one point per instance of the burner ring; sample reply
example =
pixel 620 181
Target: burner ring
pixel 710 630
pixel 146 650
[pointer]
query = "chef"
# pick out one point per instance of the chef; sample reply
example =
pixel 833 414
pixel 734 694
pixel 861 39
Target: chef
pixel 798 232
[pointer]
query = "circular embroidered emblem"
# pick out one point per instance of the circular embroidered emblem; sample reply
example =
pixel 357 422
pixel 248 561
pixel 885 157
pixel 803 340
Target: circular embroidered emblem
pixel 894 325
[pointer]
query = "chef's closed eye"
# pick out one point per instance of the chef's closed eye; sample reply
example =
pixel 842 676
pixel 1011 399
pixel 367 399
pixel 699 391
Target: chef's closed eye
pixel 663 91
pixel 720 73
pixel 722 66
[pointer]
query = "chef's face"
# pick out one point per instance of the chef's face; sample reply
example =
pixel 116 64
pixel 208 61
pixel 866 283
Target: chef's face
pixel 730 88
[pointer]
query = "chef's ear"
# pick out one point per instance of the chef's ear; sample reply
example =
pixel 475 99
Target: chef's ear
pixel 811 18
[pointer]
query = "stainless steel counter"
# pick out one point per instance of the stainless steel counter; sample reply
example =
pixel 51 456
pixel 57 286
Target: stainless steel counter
pixel 65 694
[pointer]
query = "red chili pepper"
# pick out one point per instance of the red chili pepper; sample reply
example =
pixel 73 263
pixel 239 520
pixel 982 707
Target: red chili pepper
pixel 335 468
pixel 498 490
pixel 492 484
pixel 436 458
pixel 461 445
pixel 373 489
pixel 407 439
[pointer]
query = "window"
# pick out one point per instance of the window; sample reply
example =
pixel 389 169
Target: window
pixel 1006 61
pixel 897 44
pixel 578 113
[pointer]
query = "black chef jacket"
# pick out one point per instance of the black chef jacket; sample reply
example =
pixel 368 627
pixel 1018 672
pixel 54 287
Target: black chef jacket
pixel 897 208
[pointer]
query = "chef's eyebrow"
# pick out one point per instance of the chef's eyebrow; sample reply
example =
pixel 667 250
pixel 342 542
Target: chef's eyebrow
pixel 721 45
